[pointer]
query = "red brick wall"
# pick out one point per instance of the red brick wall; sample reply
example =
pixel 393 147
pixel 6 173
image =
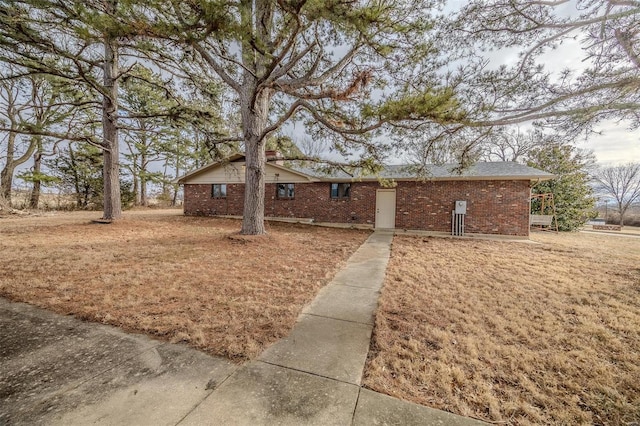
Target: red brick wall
pixel 198 200
pixel 493 207
pixel 312 200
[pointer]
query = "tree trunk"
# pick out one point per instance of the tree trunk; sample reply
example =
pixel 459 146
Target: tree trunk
pixel 253 212
pixel 6 181
pixel 86 196
pixel 111 168
pixel 256 18
pixel 136 186
pixel 174 198
pixel 143 192
pixel 76 178
pixel 6 175
pixel 176 188
pixel 622 210
pixel 143 178
pixel 37 163
pixel 254 118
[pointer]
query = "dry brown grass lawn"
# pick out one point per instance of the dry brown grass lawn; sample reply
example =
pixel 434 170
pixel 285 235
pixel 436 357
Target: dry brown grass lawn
pixel 180 278
pixel 513 333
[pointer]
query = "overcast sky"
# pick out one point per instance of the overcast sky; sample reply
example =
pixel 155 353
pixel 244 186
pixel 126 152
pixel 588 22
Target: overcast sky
pixel 616 145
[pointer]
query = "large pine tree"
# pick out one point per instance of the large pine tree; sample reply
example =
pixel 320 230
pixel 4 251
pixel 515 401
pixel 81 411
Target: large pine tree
pixel 352 71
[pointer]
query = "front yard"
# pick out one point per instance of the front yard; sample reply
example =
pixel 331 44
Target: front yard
pixel 510 333
pixel 513 333
pixel 182 279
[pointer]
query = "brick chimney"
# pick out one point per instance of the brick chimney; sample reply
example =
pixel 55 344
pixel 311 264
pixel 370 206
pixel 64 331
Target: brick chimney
pixel 274 157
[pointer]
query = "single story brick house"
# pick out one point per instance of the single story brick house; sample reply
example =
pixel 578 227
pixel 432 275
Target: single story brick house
pixel 495 196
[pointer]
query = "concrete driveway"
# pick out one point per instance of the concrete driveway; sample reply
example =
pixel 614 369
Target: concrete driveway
pixel 59 370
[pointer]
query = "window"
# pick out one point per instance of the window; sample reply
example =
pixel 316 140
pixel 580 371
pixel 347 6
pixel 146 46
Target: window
pixel 219 190
pixel 340 190
pixel 285 190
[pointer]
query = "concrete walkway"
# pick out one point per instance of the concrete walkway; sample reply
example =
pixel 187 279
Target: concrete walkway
pixel 98 375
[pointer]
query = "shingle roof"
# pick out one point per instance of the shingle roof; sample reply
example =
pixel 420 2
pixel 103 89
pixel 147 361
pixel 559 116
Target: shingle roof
pixel 480 170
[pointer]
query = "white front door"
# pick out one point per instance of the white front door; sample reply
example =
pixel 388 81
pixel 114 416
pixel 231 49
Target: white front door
pixel 386 208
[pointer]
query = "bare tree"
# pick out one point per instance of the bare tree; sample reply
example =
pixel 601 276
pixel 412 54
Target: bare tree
pixel 622 183
pixel 10 111
pixel 513 144
pixel 26 104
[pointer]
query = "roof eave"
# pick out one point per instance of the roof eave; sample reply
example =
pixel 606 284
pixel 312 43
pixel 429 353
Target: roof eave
pixel 181 180
pixel 439 178
pixel 294 171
